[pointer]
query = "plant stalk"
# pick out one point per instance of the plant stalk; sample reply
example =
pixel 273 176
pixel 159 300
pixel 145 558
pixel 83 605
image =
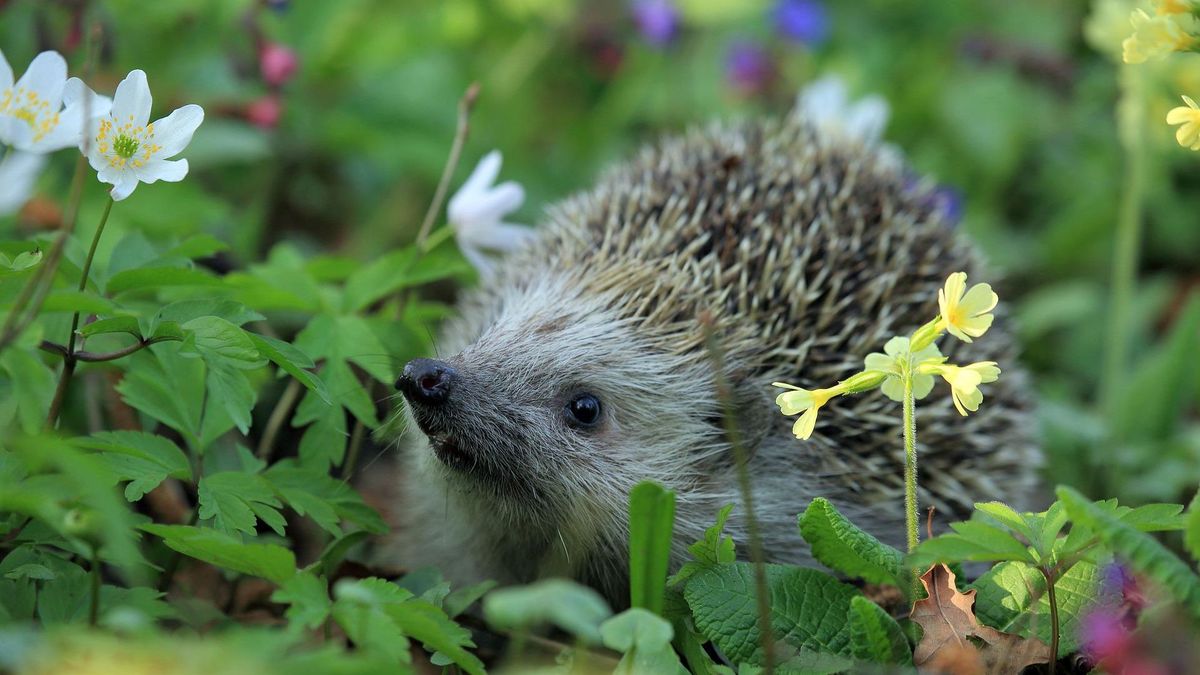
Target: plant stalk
pixel 94 607
pixel 1054 626
pixel 910 462
pixel 69 361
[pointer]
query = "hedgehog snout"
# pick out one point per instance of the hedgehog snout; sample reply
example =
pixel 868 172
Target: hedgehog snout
pixel 426 382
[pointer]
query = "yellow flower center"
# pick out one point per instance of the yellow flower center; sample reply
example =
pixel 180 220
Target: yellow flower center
pixel 30 108
pixel 126 145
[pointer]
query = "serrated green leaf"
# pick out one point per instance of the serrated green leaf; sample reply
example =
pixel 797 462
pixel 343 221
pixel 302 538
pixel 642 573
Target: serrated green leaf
pixel 324 441
pixel 1008 517
pixel 112 324
pixel 31 571
pixel 231 390
pixel 268 561
pixel 1011 597
pixel 714 548
pixel 393 272
pixel 423 621
pixel 841 546
pixel 1153 517
pixel 875 636
pixel 233 500
pixel 314 493
pixel 308 598
pixel 183 311
pixel 143 459
pixel 359 608
pixel 651 523
pixel 30 389
pixel 292 361
pixel 150 278
pixel 216 337
pixel 809 609
pixel 1143 552
pixel 575 609
pixel 84 302
pixel 460 599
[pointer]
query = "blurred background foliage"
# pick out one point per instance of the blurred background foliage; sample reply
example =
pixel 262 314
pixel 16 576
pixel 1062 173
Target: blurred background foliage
pixel 1005 103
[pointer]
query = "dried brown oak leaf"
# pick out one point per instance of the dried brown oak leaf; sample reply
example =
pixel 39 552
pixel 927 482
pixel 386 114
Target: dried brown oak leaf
pixel 948 619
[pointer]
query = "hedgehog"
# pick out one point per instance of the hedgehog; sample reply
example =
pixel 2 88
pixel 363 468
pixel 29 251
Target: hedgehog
pixel 580 368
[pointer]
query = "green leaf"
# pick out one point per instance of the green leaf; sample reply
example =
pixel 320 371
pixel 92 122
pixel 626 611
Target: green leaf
pixel 197 246
pixel 84 302
pixel 231 390
pixel 393 272
pixel 150 278
pixel 1153 517
pixel 1143 552
pixel 423 621
pixel 843 547
pixel 1163 383
pixel 183 311
pixel 644 640
pixel 809 609
pixel 1008 517
pixel 292 361
pixel 308 598
pixel 651 522
pixel 324 441
pixel 875 636
pixel 30 389
pixel 359 608
pixel 972 540
pixel 575 609
pixel 713 549
pixel 314 493
pixel 143 459
pixel 271 562
pixel 1012 597
pixel 233 499
pixel 113 324
pixel 31 571
pixel 216 338
pixel 461 599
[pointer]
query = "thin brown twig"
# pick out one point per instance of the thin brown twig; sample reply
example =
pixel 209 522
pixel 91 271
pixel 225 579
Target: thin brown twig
pixel 94 357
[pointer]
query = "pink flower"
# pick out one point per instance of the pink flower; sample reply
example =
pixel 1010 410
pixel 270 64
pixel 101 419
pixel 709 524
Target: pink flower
pixel 265 112
pixel 277 62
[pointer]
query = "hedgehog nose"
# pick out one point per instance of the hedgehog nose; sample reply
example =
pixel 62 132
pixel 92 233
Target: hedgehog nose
pixel 426 381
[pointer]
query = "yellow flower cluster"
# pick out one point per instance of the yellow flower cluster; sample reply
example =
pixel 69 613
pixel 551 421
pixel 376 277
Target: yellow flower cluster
pixel 1172 28
pixel 965 314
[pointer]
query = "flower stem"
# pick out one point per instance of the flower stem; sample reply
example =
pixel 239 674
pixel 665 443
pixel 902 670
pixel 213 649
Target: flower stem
pixel 910 461
pixel 1054 627
pixel 69 361
pixel 1130 121
pixel 94 608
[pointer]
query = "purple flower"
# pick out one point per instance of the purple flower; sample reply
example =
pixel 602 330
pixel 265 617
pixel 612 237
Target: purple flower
pixel 657 20
pixel 803 21
pixel 748 67
pixel 948 201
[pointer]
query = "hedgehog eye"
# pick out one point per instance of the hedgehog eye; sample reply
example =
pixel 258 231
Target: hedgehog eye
pixel 582 411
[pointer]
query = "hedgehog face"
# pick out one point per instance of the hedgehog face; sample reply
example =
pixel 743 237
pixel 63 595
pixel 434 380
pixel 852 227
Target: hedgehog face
pixel 552 403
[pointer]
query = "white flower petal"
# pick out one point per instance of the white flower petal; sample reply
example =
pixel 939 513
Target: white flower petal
pixel 482 264
pixel 174 131
pixel 501 237
pixel 18 173
pixel 867 119
pixel 171 171
pixel 124 186
pixel 6 73
pixel 482 176
pixel 489 206
pixel 824 100
pixel 46 77
pixel 132 100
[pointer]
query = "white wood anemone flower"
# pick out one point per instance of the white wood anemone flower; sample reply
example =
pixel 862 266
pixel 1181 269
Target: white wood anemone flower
pixel 18 172
pixel 477 211
pixel 826 104
pixel 125 148
pixel 32 113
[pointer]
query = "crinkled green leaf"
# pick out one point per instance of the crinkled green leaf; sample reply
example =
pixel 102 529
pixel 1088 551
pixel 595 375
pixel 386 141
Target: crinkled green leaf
pixel 1011 596
pixel 874 634
pixel 809 609
pixel 714 548
pixel 271 562
pixel 842 546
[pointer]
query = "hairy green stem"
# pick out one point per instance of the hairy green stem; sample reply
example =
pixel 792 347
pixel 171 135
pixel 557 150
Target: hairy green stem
pixel 910 461
pixel 1126 238
pixel 69 361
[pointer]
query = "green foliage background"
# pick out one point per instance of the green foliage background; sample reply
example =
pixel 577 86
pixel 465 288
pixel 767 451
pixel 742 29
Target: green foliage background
pixel 1004 101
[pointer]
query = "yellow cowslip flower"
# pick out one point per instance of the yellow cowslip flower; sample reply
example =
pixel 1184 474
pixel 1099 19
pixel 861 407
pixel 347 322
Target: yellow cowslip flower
pixel 1174 6
pixel 966 314
pixel 804 401
pixel 1188 117
pixel 1154 37
pixel 964 381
